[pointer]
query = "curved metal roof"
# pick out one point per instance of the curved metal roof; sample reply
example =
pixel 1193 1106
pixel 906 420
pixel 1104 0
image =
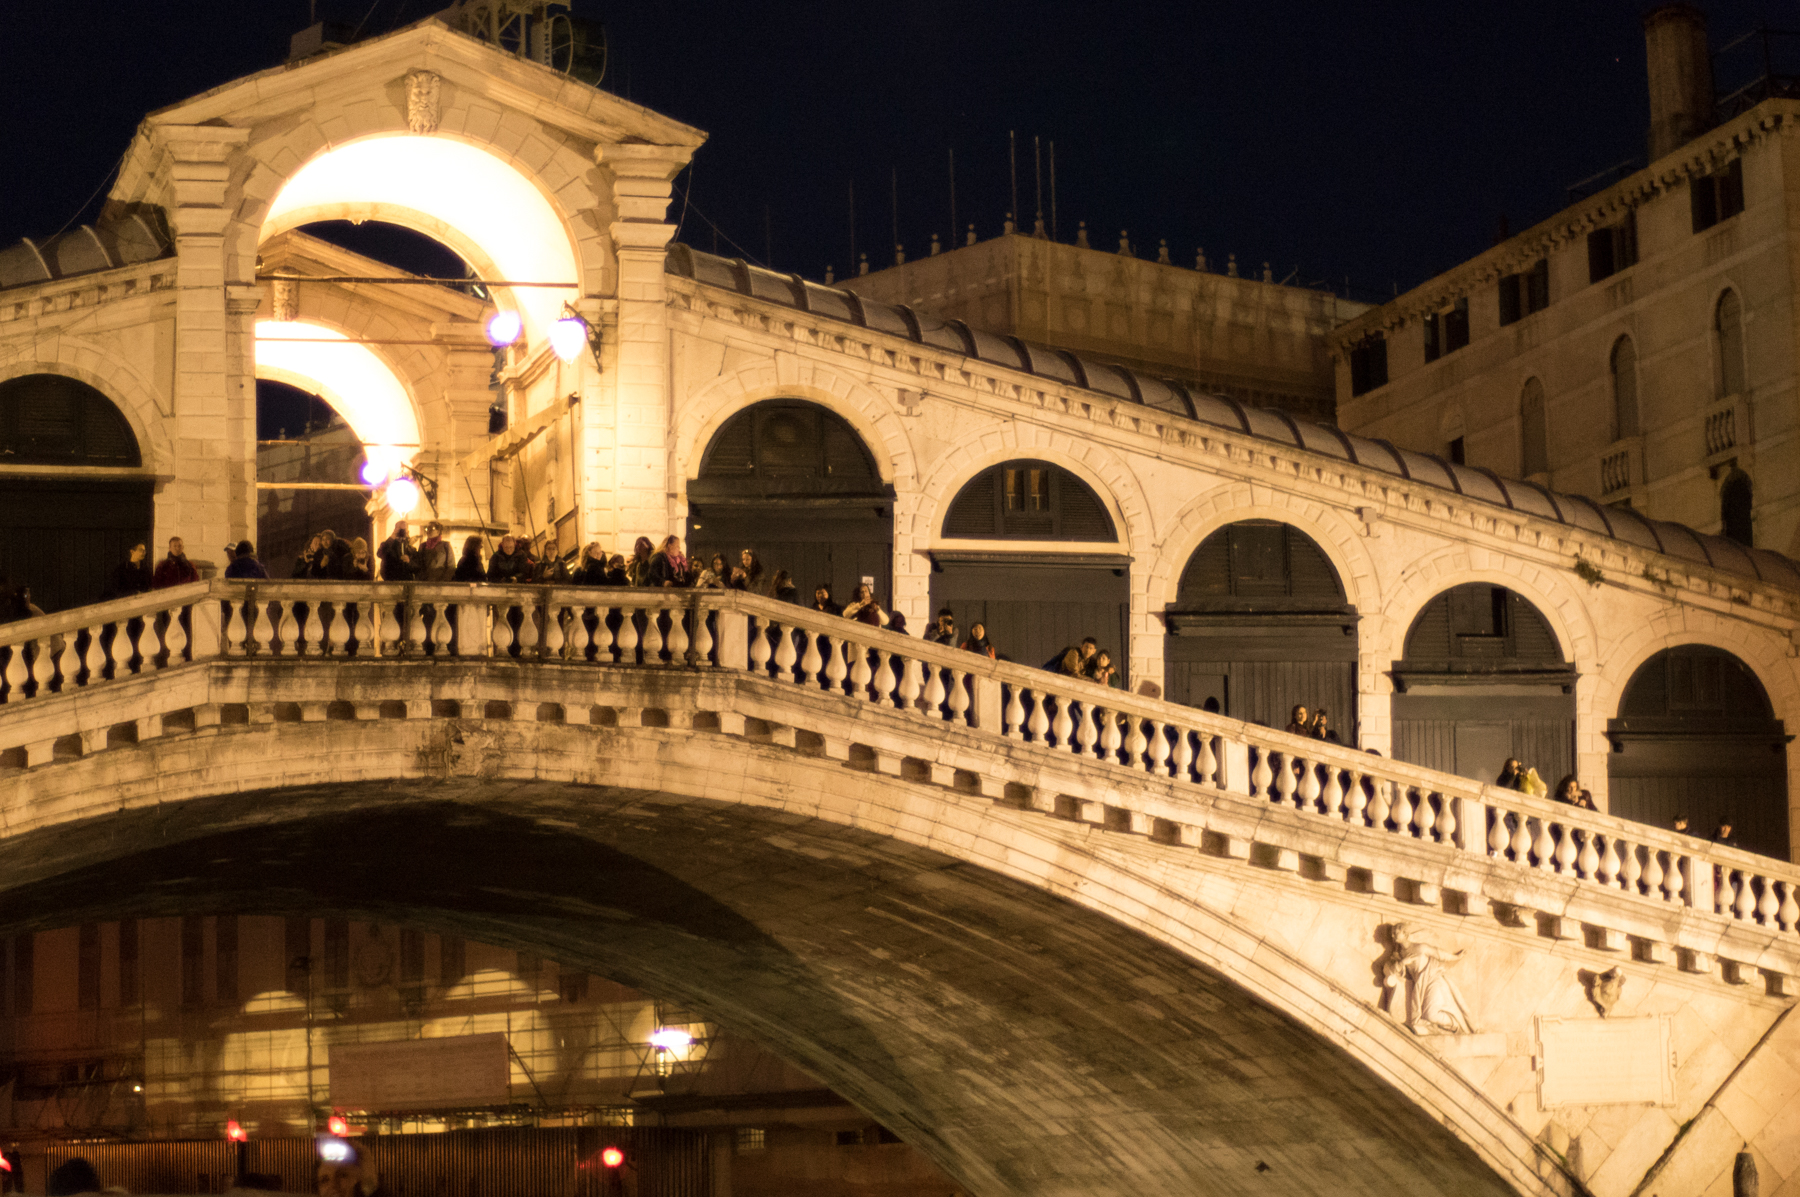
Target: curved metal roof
pixel 1174 398
pixel 122 239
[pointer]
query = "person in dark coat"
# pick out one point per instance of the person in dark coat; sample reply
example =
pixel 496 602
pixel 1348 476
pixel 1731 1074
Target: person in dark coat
pixel 978 641
pixel 432 561
pixel 552 570
pixel 783 587
pixel 592 569
pixel 325 562
pixel 245 564
pixel 943 630
pixel 511 565
pixel 668 568
pixel 396 555
pixel 822 600
pixel 131 576
pixel 175 569
pixel 470 569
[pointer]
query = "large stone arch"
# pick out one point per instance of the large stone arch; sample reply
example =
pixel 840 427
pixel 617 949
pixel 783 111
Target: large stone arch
pixel 327 377
pixel 876 931
pixel 1763 650
pixel 120 381
pixel 1108 473
pixel 1556 598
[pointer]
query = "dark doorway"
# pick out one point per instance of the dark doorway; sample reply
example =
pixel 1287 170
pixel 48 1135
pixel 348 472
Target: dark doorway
pixel 1696 736
pixel 1736 503
pixel 62 534
pixel 794 482
pixel 1260 624
pixel 1034 601
pixel 303 443
pixel 1484 679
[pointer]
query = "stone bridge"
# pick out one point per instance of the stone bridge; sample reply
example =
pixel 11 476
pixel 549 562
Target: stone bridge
pixel 1062 939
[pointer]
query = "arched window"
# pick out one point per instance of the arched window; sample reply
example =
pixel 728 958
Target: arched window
pixel 1728 324
pixel 48 419
pixel 1735 501
pixel 1624 389
pixel 1028 500
pixel 1533 430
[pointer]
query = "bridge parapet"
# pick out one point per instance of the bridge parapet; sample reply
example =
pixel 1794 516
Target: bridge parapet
pixel 75 683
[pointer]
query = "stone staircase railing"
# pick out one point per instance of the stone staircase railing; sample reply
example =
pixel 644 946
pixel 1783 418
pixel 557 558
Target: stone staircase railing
pixel 100 646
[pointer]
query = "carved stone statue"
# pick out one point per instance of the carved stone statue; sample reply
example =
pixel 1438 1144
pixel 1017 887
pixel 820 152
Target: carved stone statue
pixel 422 101
pixel 1605 989
pixel 1433 1006
pixel 285 302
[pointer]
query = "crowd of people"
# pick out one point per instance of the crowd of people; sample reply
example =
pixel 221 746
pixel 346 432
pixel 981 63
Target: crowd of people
pixel 1314 724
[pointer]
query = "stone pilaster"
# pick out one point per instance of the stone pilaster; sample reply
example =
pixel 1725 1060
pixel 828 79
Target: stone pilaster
pixel 642 424
pixel 215 382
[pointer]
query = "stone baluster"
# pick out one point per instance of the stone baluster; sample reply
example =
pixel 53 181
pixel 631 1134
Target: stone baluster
pixel 388 640
pixel 759 646
pixel 884 680
pixel 811 662
pixel 1209 762
pixel 934 691
pixel 1331 797
pixel 1767 903
pixel 1307 789
pixel 68 664
pixel 1424 816
pixel 1653 875
pixel 175 639
pixel 1498 838
pixel 1743 903
pixel 1543 847
pixel 1445 828
pixel 836 669
pixel 1262 776
pixel 235 633
pixel 43 667
pixel 530 634
pixel 289 630
pixel 1630 869
pixel 1789 913
pixel 440 631
pixel 860 674
pixel 703 638
pixel 1110 736
pixel 1285 781
pixel 1356 799
pixel 1606 868
pixel 627 639
pixel 1159 748
pixel 579 639
pixel 1587 857
pixel 501 633
pixel 1521 838
pixel 1674 878
pixel 678 639
pixel 1063 727
pixel 1015 714
pixel 1381 806
pixel 1181 754
pixel 1039 722
pixel 337 634
pixel 16 674
pixel 785 654
pixel 910 686
pixel 556 638
pixel 414 635
pixel 958 699
pixel 96 655
pixel 1136 743
pixel 1086 734
pixel 1402 813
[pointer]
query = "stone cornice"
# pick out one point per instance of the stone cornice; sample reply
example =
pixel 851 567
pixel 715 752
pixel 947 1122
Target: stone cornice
pixel 1239 455
pixel 1700 156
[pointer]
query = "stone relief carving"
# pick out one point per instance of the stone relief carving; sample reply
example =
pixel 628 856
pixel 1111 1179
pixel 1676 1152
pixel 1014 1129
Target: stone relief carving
pixel 1433 1006
pixel 422 101
pixel 285 301
pixel 1604 989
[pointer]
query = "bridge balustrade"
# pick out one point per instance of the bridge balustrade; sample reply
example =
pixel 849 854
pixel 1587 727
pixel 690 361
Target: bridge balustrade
pixel 44 659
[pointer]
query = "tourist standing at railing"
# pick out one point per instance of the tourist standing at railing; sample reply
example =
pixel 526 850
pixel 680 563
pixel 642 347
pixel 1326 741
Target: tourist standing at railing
pixel 721 569
pixel 943 629
pixel 782 588
pixel 822 600
pixel 755 580
pixel 1510 774
pixel 174 569
pixel 396 555
pixel 637 570
pixel 1073 661
pixel 432 562
pixel 591 570
pixel 1099 669
pixel 1321 727
pixel 303 562
pixel 131 576
pixel 510 565
pixel 865 609
pixel 1300 721
pixel 552 570
pixel 897 622
pixel 469 567
pixel 978 641
pixel 245 564
pixel 667 568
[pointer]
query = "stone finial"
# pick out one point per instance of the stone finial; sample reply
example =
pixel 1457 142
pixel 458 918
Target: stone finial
pixel 422 91
pixel 862 265
pixel 830 275
pixel 1081 235
pixel 284 301
pixel 936 249
pixel 1433 1006
pixel 1231 265
pixel 1009 224
pixel 1125 242
pixel 1200 258
pixel 1268 275
pixel 899 254
pixel 971 239
pixel 1162 251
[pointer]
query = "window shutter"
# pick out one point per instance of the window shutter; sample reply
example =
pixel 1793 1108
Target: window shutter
pixel 972 512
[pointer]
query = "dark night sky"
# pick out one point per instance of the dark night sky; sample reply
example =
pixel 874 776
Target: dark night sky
pixel 1379 147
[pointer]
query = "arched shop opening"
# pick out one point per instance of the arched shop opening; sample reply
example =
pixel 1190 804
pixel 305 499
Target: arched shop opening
pixel 63 533
pixel 1696 735
pixel 1035 595
pixel 1260 623
pixel 308 459
pixel 1484 679
pixel 794 482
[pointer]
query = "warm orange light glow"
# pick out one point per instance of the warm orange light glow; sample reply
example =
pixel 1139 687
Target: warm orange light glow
pixel 235 1132
pixel 472 201
pixel 356 383
pixel 612 1157
pixel 337 1125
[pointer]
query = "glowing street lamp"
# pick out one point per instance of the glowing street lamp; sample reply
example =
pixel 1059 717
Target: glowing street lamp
pixel 403 496
pixel 568 337
pixel 668 1041
pixel 504 327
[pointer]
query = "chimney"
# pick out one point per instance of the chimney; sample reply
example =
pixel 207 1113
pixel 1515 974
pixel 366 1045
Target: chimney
pixel 1680 70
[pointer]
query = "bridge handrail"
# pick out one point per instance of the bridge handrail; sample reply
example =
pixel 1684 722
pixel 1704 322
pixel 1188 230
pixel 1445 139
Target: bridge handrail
pixel 733 630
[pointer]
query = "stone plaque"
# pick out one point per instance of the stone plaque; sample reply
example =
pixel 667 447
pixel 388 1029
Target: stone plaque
pixel 421 1074
pixel 1618 1061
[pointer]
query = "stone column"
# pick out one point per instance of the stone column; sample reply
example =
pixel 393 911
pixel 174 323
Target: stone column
pixel 642 405
pixel 214 392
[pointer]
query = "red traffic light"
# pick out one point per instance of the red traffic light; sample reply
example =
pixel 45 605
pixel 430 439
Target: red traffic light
pixel 337 1125
pixel 236 1133
pixel 612 1157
